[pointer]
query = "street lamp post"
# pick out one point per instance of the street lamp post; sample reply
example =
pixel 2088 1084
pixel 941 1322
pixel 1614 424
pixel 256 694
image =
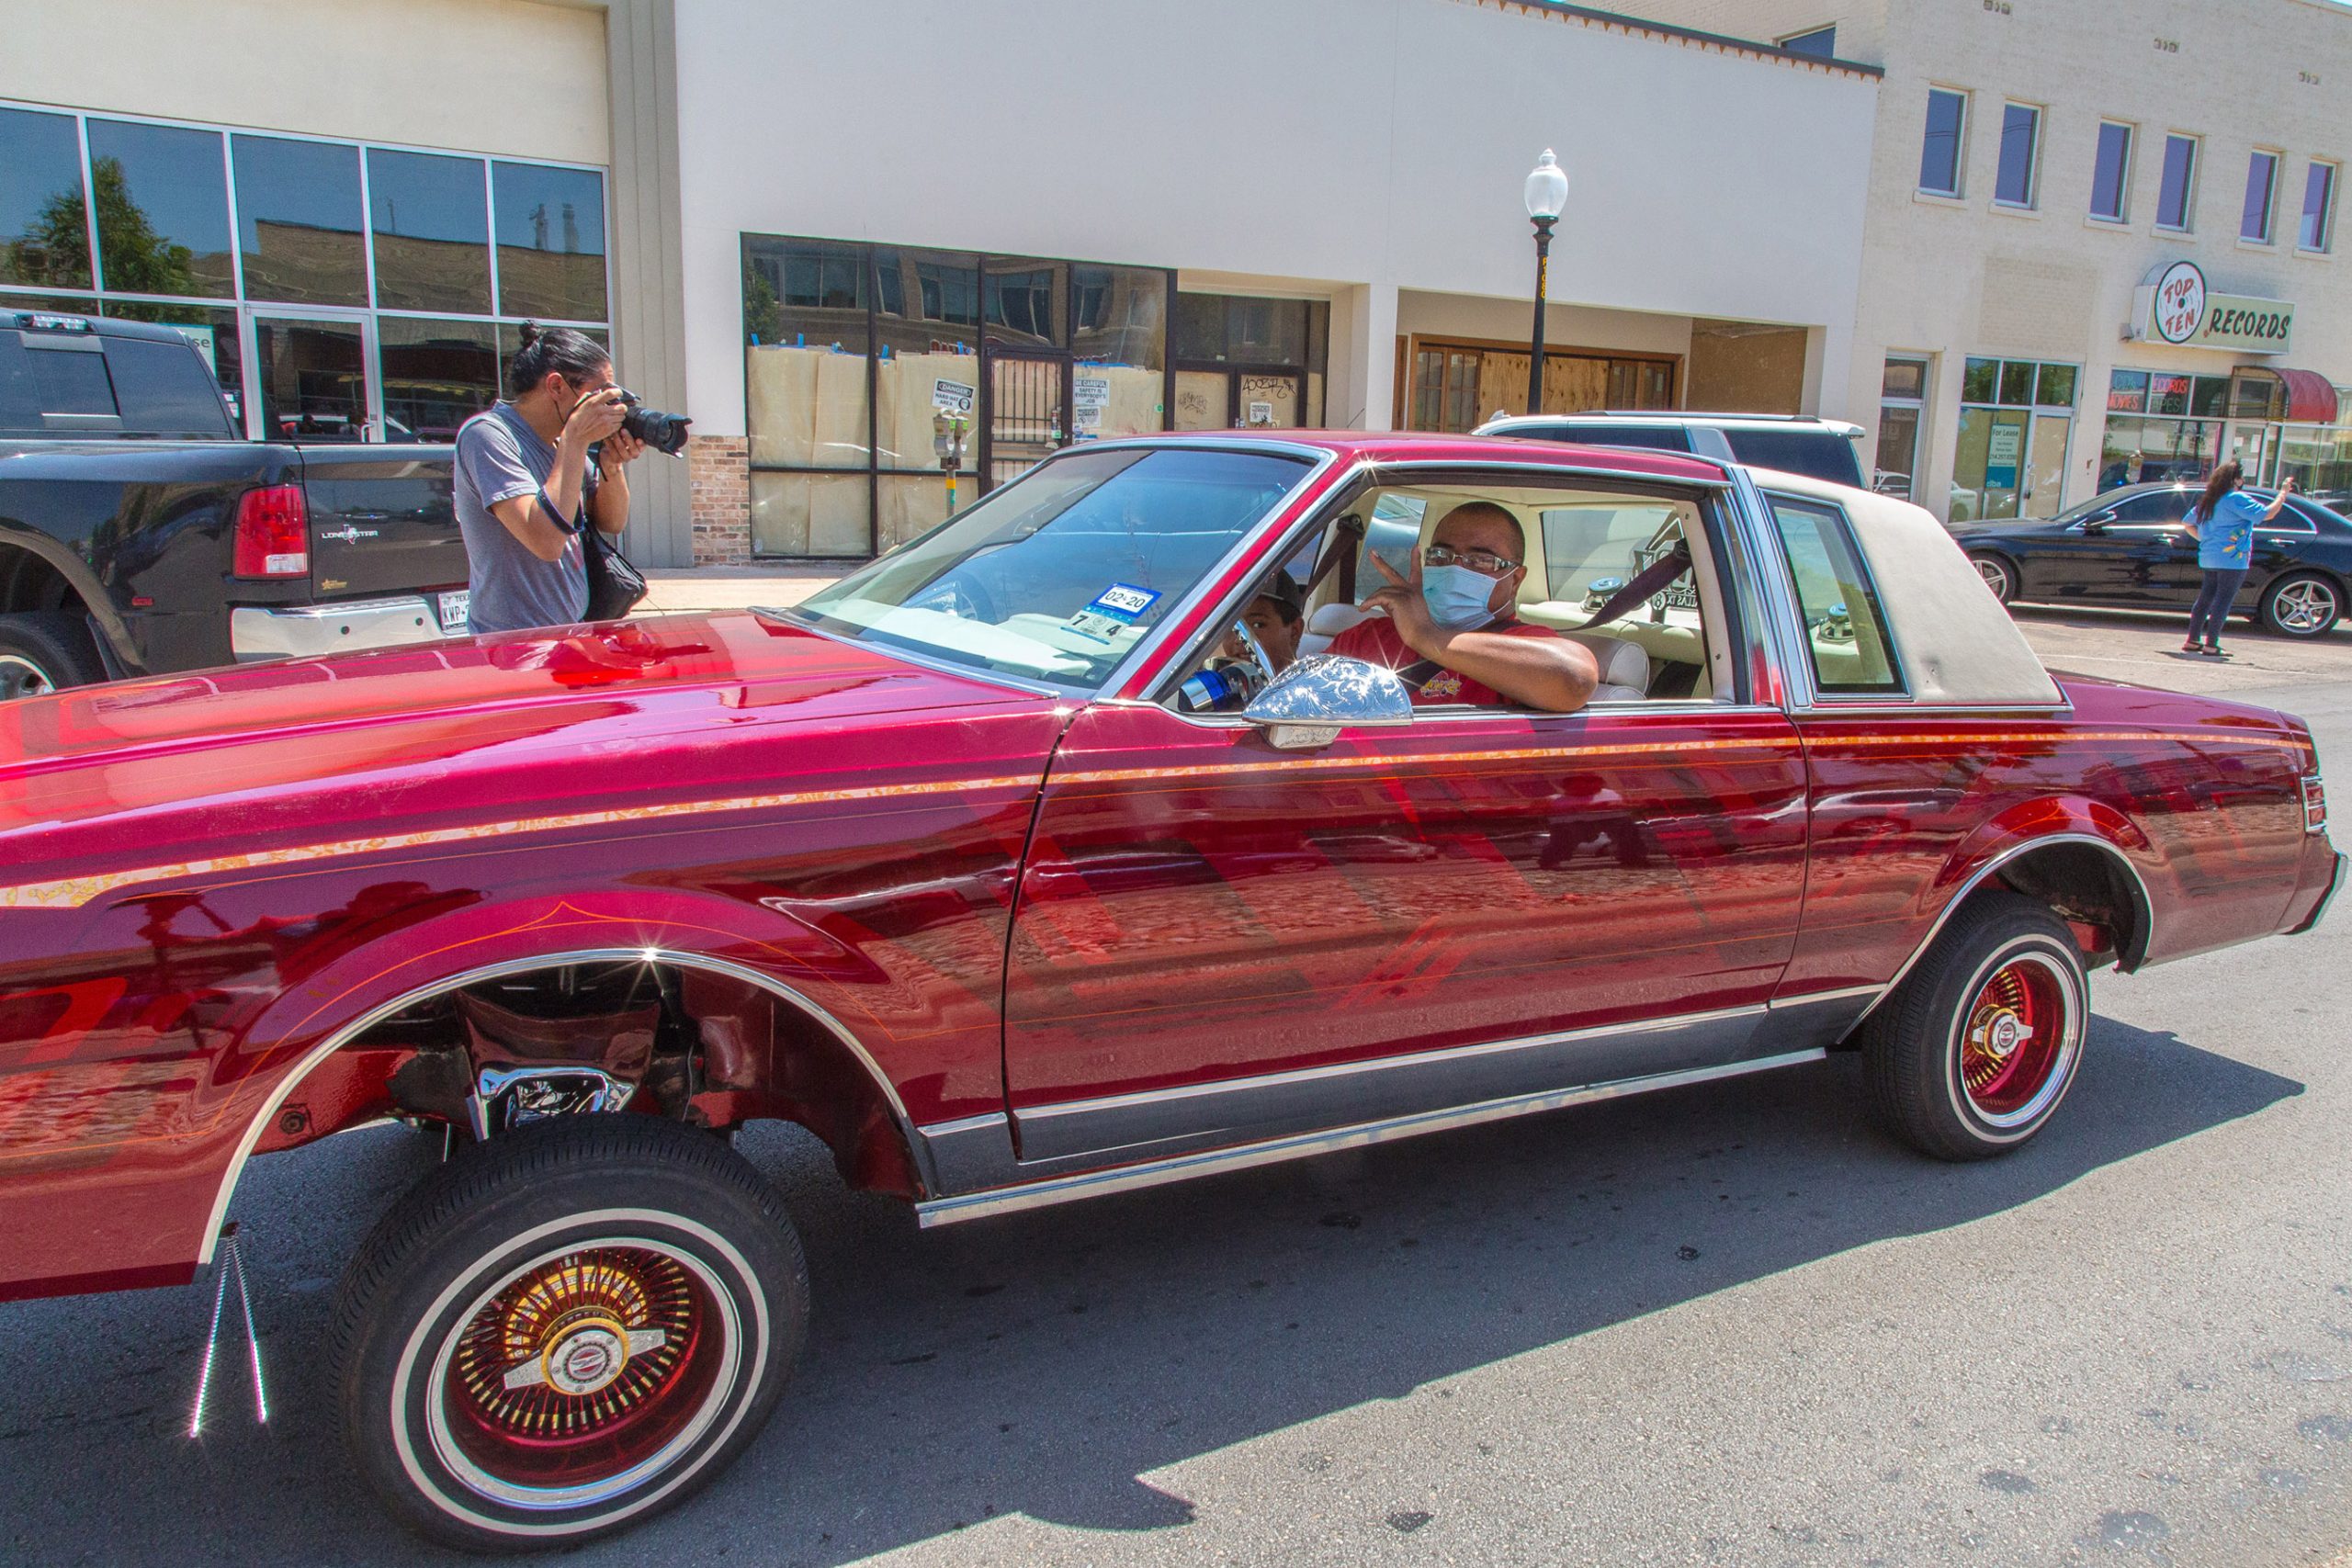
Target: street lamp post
pixel 1547 193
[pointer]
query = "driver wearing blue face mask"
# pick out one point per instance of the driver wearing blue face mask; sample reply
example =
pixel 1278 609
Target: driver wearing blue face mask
pixel 1452 628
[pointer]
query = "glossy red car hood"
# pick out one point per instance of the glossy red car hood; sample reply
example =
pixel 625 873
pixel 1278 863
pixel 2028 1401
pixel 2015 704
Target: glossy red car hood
pixel 483 724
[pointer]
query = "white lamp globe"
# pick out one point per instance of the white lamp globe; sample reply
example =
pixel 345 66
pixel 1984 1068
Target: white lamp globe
pixel 1547 188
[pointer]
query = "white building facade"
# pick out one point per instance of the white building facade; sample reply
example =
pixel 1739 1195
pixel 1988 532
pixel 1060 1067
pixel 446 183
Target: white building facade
pixel 812 227
pixel 2041 170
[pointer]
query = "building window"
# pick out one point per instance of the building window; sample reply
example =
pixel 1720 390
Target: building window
pixel 2176 198
pixel 1458 387
pixel 2319 208
pixel 2112 173
pixel 1940 151
pixel 426 260
pixel 2015 419
pixel 2020 144
pixel 1902 403
pixel 44 220
pixel 2161 425
pixel 1820 42
pixel 1245 361
pixel 2261 189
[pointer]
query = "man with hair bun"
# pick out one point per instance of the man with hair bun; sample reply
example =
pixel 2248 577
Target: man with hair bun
pixel 525 487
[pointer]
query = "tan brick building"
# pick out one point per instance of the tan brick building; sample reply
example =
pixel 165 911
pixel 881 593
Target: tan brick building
pixel 2035 164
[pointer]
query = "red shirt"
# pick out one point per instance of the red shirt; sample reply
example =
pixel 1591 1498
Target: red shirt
pixel 1376 642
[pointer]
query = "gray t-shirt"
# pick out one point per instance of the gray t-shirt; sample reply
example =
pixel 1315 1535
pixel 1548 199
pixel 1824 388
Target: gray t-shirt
pixel 501 457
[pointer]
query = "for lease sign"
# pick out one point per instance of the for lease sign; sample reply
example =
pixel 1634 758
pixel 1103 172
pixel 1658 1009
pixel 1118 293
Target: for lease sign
pixel 2176 306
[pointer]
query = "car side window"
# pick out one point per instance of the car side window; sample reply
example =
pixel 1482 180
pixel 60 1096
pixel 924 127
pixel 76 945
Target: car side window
pixel 1847 636
pixel 2160 510
pixel 2292 519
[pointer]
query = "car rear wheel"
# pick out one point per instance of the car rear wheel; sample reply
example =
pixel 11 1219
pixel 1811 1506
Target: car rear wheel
pixel 566 1330
pixel 1971 1056
pixel 46 650
pixel 1998 574
pixel 2301 604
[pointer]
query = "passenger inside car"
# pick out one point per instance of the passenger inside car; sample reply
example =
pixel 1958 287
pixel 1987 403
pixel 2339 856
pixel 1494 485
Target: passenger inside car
pixel 1449 623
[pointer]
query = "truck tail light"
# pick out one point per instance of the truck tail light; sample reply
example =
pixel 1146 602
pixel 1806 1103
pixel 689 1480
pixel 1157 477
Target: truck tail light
pixel 273 532
pixel 2315 803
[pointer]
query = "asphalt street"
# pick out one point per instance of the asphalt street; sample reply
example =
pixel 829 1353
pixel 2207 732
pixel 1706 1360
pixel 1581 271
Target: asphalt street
pixel 1731 1324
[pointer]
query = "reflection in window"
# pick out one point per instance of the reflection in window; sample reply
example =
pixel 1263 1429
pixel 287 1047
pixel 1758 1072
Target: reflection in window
pixel 926 305
pixel 805 354
pixel 2111 171
pixel 297 217
pixel 551 242
pixel 1122 317
pixel 436 375
pixel 1018 305
pixel 432 231
pixel 312 380
pixel 161 203
pixel 510 342
pixel 2021 134
pixel 2179 187
pixel 44 232
pixel 2261 181
pixel 1940 148
pixel 2319 205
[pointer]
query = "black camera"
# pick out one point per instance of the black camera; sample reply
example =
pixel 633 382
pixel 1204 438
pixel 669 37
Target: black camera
pixel 662 432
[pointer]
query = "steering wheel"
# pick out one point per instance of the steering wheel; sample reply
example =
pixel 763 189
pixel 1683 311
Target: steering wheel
pixel 959 596
pixel 1255 652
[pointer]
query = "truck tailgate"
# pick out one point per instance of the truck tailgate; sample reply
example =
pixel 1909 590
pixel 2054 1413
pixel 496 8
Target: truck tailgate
pixel 381 521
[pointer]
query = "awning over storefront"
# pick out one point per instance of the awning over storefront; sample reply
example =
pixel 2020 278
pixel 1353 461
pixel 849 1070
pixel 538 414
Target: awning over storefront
pixel 2311 397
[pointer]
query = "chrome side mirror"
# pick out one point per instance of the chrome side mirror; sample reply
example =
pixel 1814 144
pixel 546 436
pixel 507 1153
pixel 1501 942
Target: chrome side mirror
pixel 1308 704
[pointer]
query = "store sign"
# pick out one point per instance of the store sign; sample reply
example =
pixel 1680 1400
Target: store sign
pixel 2002 452
pixel 2177 307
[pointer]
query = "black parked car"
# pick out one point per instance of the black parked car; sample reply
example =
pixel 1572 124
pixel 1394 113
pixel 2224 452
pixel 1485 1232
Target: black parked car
pixel 2127 548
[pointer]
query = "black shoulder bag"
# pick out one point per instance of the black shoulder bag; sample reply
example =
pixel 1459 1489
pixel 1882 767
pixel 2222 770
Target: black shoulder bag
pixel 614 587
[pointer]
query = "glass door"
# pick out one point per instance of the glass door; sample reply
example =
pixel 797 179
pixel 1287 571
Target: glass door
pixel 314 377
pixel 2045 465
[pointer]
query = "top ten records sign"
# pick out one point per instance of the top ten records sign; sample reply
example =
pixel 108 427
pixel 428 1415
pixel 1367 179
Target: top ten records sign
pixel 2178 308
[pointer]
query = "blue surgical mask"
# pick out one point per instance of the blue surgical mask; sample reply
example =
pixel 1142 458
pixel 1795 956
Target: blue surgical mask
pixel 1457 596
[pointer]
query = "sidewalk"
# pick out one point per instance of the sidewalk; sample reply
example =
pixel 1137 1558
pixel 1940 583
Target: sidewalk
pixel 671 590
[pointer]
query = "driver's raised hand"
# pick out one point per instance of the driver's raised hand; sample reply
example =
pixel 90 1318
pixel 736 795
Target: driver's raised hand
pixel 1401 601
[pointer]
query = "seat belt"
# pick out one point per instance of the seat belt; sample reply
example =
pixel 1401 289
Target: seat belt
pixel 1660 573
pixel 1416 676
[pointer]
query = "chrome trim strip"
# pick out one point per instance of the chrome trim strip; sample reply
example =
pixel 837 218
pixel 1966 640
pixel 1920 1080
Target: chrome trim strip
pixel 1586 471
pixel 1114 1102
pixel 1179 1167
pixel 1809 998
pixel 374 1016
pixel 1977 878
pixel 1765 601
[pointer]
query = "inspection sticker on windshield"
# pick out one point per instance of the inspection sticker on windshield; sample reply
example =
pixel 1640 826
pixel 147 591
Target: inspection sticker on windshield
pixel 1121 605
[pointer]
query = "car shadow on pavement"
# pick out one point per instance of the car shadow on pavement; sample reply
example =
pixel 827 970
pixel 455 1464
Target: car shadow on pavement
pixel 1047 1364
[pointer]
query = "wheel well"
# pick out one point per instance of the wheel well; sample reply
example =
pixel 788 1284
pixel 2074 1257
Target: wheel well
pixel 29 583
pixel 711 1047
pixel 2089 888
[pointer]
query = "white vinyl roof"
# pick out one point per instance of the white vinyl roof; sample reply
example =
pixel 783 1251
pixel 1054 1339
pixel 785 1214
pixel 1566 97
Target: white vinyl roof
pixel 1955 642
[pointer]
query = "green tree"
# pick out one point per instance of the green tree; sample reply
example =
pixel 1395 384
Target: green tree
pixel 55 251
pixel 763 320
pixel 138 260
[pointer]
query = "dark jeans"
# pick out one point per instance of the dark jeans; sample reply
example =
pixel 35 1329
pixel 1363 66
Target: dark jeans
pixel 2213 605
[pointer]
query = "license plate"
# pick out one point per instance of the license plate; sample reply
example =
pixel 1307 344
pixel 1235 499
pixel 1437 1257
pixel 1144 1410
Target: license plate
pixel 453 612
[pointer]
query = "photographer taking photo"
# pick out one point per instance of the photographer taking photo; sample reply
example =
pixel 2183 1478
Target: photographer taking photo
pixel 525 487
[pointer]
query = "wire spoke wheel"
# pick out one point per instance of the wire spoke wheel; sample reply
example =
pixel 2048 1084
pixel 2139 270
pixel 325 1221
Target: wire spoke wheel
pixel 2017 1032
pixel 576 1376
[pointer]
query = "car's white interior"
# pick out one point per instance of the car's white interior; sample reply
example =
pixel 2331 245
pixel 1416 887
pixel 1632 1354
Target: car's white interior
pixel 1582 546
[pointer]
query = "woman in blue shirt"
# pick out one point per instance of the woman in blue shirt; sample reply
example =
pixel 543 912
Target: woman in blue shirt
pixel 2222 522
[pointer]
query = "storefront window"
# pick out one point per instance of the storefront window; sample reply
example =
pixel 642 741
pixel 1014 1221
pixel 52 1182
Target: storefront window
pixel 162 209
pixel 851 352
pixel 437 375
pixel 2015 425
pixel 2149 434
pixel 1458 389
pixel 2318 457
pixel 431 222
pixel 44 223
pixel 298 218
pixel 550 241
pixel 1247 361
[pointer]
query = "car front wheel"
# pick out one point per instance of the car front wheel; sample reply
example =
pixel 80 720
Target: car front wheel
pixel 1996 575
pixel 2301 604
pixel 566 1330
pixel 1971 1054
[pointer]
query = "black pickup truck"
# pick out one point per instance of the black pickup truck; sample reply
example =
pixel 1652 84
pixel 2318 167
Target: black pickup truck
pixel 141 534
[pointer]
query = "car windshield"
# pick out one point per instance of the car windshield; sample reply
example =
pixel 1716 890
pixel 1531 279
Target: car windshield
pixel 1057 576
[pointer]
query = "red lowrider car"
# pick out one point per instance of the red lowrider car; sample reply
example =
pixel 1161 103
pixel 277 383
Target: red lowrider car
pixel 958 865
